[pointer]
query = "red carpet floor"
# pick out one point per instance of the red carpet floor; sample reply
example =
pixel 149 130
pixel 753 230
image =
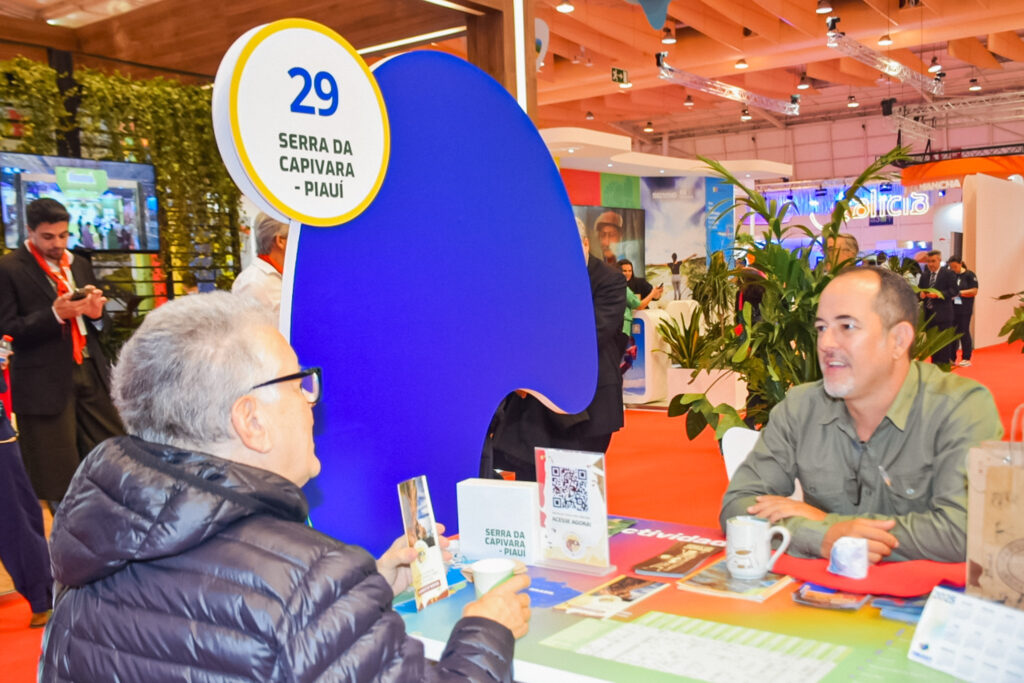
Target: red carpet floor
pixel 653 472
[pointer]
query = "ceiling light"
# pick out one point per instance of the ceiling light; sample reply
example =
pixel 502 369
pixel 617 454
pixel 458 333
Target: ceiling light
pixel 661 170
pixel 824 7
pixel 610 164
pixel 804 84
pixel 571 150
pixel 974 85
pixel 575 59
pixel 589 116
pixel 742 63
pixel 852 102
pixel 668 36
pixel 589 62
pixel 745 115
pixel 626 85
pixel 934 67
pixel 649 128
pixel 565 7
pixel 688 102
pixel 885 41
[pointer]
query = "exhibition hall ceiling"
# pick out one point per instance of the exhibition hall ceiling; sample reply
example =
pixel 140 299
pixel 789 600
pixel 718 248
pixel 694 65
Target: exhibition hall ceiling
pixel 781 42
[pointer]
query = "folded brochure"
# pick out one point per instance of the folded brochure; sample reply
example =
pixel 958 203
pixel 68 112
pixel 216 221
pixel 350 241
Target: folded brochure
pixel 612 598
pixel 678 560
pixel 716 580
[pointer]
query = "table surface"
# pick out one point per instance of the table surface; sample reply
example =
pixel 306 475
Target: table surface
pixel 871 648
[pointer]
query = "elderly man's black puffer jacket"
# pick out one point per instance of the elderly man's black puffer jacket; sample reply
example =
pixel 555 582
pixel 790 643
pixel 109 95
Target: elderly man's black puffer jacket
pixel 173 565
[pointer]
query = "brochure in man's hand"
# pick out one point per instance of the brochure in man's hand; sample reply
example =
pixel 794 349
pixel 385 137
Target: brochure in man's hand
pixel 678 560
pixel 716 580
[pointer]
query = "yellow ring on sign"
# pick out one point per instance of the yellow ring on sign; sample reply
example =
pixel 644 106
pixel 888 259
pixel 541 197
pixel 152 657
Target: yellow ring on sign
pixel 236 78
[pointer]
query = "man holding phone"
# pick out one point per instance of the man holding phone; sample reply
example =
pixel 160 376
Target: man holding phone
pixel 51 306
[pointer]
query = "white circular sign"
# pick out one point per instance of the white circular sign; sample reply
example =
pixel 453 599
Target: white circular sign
pixel 300 122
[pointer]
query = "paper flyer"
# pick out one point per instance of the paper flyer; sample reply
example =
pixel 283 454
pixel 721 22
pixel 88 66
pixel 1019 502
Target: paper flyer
pixel 612 598
pixel 573 507
pixel 429 580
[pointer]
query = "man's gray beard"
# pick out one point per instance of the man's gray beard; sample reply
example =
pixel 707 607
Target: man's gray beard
pixel 838 390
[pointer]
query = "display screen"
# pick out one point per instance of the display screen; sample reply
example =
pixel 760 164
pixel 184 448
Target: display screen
pixel 112 204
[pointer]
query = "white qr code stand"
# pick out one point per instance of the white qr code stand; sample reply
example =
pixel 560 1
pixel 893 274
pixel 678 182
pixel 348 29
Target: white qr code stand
pixel 573 511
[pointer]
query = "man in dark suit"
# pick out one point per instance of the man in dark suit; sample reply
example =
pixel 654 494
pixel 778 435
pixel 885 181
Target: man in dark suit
pixel 51 306
pixel 522 422
pixel 939 306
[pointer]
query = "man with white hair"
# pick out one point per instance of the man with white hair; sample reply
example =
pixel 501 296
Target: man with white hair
pixel 879 444
pixel 181 551
pixel 262 278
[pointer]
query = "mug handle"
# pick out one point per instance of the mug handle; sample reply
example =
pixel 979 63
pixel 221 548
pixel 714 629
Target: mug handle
pixel 786 538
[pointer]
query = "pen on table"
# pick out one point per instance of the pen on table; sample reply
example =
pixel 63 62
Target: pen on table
pixel 885 476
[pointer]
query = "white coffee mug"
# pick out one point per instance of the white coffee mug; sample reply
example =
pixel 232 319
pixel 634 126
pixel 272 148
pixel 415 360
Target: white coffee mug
pixel 748 546
pixel 489 573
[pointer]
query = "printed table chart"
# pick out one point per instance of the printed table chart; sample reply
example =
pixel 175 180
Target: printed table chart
pixel 678 635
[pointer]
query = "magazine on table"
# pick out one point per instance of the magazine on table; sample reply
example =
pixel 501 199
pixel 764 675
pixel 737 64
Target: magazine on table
pixel 678 560
pixel 716 580
pixel 612 598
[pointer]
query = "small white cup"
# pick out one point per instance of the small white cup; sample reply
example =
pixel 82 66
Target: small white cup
pixel 491 572
pixel 748 546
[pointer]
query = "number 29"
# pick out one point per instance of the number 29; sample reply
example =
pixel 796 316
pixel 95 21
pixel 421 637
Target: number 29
pixel 326 89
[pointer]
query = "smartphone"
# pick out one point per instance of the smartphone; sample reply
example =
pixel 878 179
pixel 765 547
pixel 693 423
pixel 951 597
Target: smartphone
pixel 79 294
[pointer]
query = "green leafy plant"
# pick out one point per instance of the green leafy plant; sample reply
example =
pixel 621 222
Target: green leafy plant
pixel 686 345
pixel 1014 327
pixel 778 350
pixel 714 290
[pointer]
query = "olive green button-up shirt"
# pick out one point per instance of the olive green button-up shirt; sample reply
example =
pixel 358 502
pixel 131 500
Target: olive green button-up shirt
pixel 913 469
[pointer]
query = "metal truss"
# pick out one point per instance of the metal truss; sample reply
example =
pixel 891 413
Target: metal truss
pixel 890 67
pixel 919 121
pixel 970 153
pixel 729 92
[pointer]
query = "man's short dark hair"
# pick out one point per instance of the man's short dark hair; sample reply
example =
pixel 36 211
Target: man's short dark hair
pixel 625 262
pixel 895 302
pixel 45 210
pixel 954 259
pixel 935 252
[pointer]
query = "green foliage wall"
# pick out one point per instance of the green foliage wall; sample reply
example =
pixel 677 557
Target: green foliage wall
pixel 32 107
pixel 157 121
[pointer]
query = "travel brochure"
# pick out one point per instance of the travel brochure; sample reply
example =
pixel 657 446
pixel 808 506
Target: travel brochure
pixel 715 580
pixel 429 580
pixel 823 597
pixel 612 598
pixel 678 560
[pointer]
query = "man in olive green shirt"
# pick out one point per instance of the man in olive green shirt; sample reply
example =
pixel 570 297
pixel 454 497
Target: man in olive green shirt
pixel 879 445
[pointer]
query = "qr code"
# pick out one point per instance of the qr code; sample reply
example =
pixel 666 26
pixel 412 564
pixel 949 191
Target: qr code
pixel 569 489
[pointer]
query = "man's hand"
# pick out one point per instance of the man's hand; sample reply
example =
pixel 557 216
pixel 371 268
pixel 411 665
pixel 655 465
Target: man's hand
pixel 91 305
pixel 505 605
pixel 658 291
pixel 880 541
pixel 393 565
pixel 774 508
pixel 94 302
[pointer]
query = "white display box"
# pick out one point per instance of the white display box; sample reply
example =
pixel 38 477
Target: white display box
pixel 499 518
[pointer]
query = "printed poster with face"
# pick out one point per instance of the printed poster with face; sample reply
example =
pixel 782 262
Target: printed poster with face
pixel 573 509
pixel 429 580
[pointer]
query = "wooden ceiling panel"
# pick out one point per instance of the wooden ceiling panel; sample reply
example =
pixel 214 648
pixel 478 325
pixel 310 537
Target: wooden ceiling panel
pixel 1007 44
pixel 971 50
pixel 709 22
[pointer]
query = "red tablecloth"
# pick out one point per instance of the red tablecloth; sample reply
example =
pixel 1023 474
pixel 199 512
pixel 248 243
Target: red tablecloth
pixel 902 579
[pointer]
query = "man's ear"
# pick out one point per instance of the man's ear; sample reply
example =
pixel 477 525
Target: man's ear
pixel 903 337
pixel 247 418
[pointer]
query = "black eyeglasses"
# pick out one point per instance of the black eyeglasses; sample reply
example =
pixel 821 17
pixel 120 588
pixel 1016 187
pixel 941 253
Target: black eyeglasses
pixel 310 382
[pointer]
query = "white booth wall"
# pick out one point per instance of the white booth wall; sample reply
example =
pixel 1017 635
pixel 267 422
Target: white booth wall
pixel 993 221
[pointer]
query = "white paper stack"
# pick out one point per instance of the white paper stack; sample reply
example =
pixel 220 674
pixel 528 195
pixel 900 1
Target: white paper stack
pixel 498 518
